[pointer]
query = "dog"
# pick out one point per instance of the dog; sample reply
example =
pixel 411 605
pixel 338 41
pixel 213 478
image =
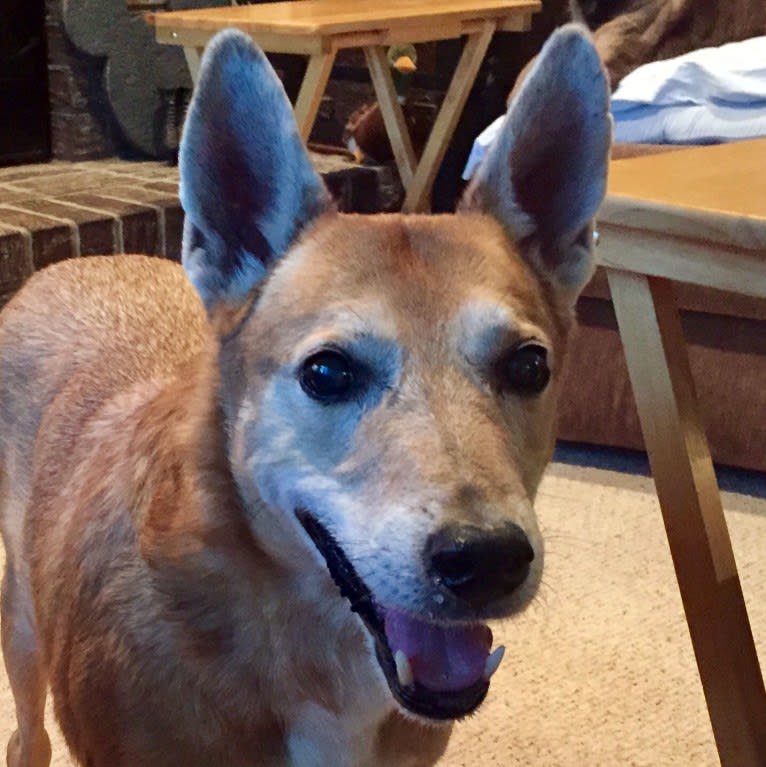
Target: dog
pixel 258 509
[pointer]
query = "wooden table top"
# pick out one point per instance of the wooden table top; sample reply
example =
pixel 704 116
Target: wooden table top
pixel 337 17
pixel 716 192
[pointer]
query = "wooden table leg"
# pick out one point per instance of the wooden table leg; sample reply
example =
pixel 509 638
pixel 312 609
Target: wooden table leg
pixel 391 111
pixel 311 91
pixel 418 197
pixel 193 57
pixel 658 363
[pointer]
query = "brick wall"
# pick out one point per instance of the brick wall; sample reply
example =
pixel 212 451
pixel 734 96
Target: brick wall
pixel 82 126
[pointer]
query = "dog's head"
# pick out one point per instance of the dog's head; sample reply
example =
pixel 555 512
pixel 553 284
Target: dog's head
pixel 389 382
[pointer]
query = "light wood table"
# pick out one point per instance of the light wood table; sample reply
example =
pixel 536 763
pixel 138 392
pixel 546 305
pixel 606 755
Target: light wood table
pixel 320 28
pixel 698 216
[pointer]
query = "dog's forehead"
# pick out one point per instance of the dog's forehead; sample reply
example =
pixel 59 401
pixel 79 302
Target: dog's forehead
pixel 420 266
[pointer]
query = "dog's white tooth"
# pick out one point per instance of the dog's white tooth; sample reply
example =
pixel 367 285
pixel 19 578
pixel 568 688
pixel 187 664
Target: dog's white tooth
pixel 403 669
pixel 493 662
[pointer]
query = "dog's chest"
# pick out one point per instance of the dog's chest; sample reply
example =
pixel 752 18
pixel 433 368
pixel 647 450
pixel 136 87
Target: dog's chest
pixel 367 736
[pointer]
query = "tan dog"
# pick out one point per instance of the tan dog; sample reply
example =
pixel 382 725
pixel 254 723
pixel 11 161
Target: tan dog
pixel 269 527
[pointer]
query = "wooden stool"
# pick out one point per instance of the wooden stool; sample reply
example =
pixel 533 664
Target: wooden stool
pixel 320 28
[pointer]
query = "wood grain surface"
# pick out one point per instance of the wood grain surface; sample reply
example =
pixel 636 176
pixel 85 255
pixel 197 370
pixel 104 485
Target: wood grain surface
pixel 330 17
pixel 716 192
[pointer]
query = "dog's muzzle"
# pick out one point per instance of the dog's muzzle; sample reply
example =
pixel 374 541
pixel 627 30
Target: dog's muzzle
pixel 437 670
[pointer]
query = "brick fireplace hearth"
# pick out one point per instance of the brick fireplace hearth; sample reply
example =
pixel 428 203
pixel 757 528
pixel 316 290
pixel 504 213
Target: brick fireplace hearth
pixel 50 212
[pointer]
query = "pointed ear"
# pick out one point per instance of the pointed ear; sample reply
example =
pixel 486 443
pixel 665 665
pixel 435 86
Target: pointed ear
pixel 545 176
pixel 247 185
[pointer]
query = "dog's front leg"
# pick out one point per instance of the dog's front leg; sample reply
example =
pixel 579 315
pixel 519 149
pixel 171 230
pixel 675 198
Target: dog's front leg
pixel 316 738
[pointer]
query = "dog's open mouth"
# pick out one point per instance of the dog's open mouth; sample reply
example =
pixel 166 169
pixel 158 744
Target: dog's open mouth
pixel 438 671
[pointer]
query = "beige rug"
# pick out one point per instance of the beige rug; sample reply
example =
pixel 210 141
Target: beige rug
pixel 599 673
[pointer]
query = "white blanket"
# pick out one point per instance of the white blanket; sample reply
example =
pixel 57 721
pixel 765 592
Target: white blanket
pixel 708 96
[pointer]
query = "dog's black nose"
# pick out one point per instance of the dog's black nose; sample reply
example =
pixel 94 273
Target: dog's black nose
pixel 479 565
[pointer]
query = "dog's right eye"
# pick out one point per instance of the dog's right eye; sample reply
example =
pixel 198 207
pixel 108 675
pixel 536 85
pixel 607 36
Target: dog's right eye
pixel 328 376
pixel 523 370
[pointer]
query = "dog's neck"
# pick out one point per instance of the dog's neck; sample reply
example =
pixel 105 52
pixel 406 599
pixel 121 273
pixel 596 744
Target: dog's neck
pixel 184 438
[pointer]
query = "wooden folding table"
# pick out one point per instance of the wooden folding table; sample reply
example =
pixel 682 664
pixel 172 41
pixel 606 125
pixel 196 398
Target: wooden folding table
pixel 697 216
pixel 320 28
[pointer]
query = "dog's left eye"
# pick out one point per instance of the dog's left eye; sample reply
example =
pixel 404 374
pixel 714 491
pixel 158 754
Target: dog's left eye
pixel 523 370
pixel 327 376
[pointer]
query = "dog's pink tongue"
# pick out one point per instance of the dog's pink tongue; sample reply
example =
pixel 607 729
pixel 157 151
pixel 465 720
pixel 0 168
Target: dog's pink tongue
pixel 442 658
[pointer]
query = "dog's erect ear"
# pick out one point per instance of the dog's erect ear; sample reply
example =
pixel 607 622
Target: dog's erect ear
pixel 247 185
pixel 545 176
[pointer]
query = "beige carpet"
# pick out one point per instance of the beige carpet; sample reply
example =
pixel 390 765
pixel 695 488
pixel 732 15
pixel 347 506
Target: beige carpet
pixel 599 673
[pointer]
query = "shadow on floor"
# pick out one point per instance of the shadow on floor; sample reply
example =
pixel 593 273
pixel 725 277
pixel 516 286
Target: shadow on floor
pixel 730 479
